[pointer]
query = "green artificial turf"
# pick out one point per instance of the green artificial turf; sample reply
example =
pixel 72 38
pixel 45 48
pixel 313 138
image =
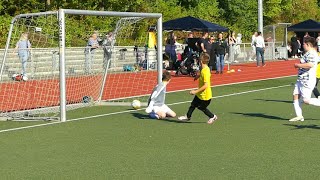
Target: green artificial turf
pixel 252 139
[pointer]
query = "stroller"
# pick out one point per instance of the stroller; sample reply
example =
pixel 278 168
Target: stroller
pixel 189 65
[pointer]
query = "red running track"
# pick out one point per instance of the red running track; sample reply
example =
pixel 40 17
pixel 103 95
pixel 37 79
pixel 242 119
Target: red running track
pixel 43 93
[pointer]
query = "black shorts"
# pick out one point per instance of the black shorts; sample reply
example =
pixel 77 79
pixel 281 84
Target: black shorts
pixel 200 104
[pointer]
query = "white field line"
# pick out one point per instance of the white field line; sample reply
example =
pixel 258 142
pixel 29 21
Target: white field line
pixel 121 112
pixel 242 82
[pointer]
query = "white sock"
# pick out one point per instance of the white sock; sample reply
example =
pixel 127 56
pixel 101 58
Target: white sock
pixel 297 107
pixel 314 101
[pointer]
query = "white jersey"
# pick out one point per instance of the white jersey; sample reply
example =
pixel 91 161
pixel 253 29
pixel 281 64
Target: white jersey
pixel 308 76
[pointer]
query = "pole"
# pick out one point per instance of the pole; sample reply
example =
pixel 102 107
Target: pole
pixel 260 16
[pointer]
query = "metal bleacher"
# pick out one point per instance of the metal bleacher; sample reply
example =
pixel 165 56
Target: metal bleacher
pixel 45 61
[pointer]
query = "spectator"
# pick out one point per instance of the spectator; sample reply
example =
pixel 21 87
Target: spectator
pixel 318 42
pixel 170 48
pixel 23 47
pixel 211 52
pixel 253 46
pixel 90 49
pixel 203 42
pixel 305 36
pixel 190 36
pixel 237 46
pixel 295 44
pixel 220 50
pixel 188 51
pixel 107 49
pixel 231 45
pixel 260 48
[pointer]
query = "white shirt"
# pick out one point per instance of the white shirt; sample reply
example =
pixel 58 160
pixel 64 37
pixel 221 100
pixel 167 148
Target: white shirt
pixel 308 76
pixel 260 42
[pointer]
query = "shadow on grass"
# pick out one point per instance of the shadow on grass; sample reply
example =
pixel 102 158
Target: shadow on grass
pixel 146 116
pixel 297 126
pixel 260 115
pixel 275 100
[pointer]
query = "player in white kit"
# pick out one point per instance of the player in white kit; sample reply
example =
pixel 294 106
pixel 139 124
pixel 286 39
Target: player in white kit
pixel 306 78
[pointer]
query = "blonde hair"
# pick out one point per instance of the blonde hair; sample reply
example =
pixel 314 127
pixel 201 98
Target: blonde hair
pixel 204 58
pixel 24 36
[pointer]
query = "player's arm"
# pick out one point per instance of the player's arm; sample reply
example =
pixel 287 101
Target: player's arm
pixel 202 47
pixel 202 88
pixel 304 65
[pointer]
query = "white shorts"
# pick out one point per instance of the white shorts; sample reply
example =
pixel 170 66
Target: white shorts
pixel 303 90
pixel 163 108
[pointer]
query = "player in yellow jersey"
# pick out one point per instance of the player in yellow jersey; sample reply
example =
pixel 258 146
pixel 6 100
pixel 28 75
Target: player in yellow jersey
pixel 203 94
pixel 315 90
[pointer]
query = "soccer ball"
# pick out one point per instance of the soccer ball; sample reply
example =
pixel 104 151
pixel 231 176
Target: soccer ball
pixel 136 104
pixel 86 99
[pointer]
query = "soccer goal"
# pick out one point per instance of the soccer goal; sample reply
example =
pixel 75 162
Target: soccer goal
pixel 78 58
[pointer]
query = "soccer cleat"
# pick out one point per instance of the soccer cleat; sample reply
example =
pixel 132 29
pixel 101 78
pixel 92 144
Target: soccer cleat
pixel 183 118
pixel 213 119
pixel 154 115
pixel 298 118
pixel 148 110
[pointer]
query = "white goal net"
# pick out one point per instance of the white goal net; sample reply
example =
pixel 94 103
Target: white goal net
pixel 68 59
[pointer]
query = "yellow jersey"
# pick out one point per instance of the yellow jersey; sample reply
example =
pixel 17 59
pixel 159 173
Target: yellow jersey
pixel 205 78
pixel 318 71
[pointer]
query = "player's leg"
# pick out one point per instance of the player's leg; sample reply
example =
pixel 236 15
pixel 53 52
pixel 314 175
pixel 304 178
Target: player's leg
pixel 203 106
pixel 315 90
pixel 154 112
pixel 218 63
pixel 309 100
pixel 297 102
pixel 168 111
pixel 195 102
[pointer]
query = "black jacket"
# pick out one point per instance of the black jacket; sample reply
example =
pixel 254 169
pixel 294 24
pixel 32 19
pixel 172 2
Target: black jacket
pixel 220 47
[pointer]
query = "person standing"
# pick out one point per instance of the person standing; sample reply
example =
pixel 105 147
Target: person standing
pixel 211 52
pixel 203 94
pixel 306 78
pixel 253 46
pixel 295 44
pixel 23 47
pixel 318 41
pixel 220 50
pixel 90 49
pixel 231 45
pixel 203 42
pixel 107 50
pixel 260 48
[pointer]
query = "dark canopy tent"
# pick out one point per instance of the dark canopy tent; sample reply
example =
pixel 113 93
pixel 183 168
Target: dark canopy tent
pixel 306 26
pixel 192 24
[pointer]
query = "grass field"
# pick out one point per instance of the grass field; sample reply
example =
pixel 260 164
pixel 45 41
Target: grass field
pixel 252 139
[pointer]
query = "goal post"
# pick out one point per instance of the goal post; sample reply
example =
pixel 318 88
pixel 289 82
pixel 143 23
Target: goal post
pixel 58 79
